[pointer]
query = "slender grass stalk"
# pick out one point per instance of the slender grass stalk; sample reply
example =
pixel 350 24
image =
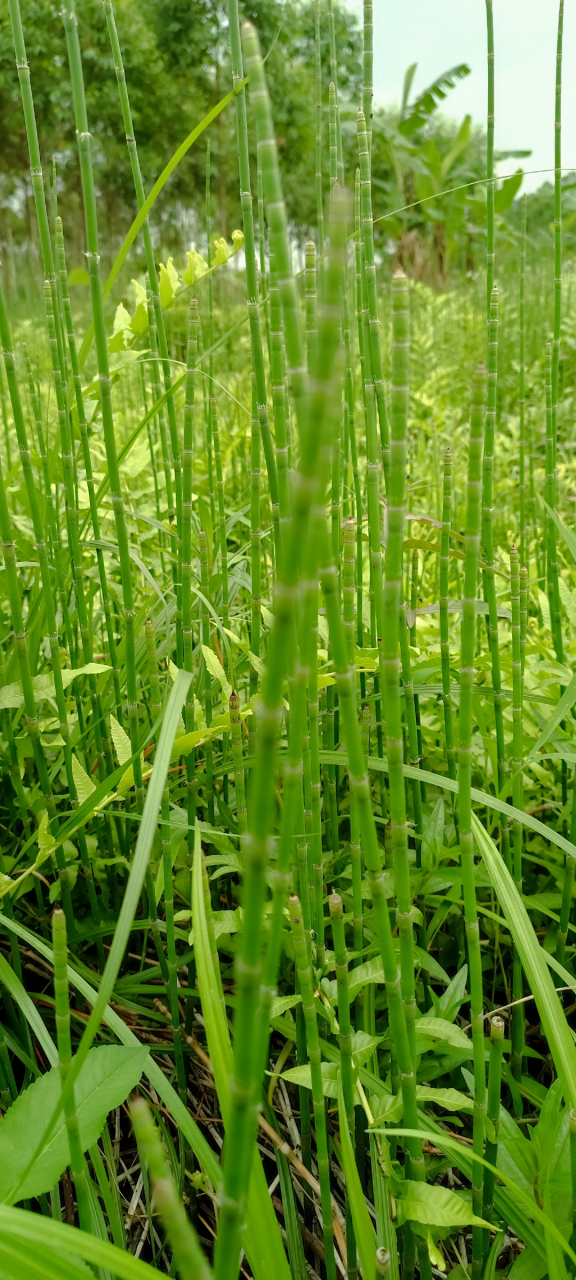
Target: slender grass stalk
pixel 236 739
pixel 411 722
pixel 493 1112
pixel 187 480
pixel 279 401
pixel 472 548
pixel 91 224
pixel 255 543
pixel 368 67
pixel 518 800
pixel 334 80
pixel 444 625
pixel 221 517
pixel 488 542
pixel 375 350
pixel 522 389
pixel 490 248
pixel 190 1259
pixel 314 1055
pixel 524 581
pixel 77 1162
pixel 318 144
pixel 204 605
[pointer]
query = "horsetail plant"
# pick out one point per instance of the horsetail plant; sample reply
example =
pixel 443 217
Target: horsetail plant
pixel 472 549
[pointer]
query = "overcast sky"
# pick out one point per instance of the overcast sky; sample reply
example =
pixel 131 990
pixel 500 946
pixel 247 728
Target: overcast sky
pixel 438 34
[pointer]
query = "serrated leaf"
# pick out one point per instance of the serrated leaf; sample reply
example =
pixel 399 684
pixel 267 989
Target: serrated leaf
pixel 45 839
pixel 121 741
pixel 107 1077
pixel 434 1206
pixel 84 785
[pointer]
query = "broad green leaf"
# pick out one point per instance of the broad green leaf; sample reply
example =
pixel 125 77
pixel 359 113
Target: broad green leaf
pixel 216 669
pixel 555 1026
pixel 109 1074
pixel 363 1229
pixel 434 1206
pixel 132 892
pixel 439 1029
pixel 450 1099
pixel 23 1260
pixel 11 694
pixel 84 785
pixel 25 1231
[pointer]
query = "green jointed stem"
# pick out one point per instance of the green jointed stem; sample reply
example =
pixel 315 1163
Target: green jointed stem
pixel 518 802
pixel 187 479
pixel 472 551
pixel 552 588
pixel 373 357
pixel 255 543
pixel 523 614
pixel 393 589
pixel 367 66
pixel 236 741
pixel 89 198
pixel 311 299
pixel 444 625
pixel 188 1255
pixel 345 1042
pixel 250 254
pixel 318 143
pixel 334 83
pixel 493 1111
pixel 332 135
pixel 221 512
pixel 557 225
pixel 524 542
pixel 279 400
pixel 488 541
pixel 490 258
pixel 62 1008
pixel 411 722
pixel 314 1054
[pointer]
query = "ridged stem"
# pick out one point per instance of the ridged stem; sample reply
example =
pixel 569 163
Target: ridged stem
pixel 315 1058
pixel 518 1019
pixel 493 1111
pixel 472 550
pixel 444 625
